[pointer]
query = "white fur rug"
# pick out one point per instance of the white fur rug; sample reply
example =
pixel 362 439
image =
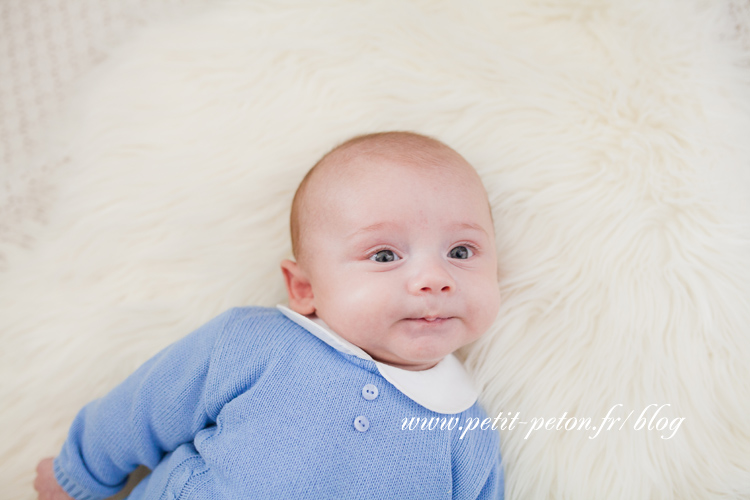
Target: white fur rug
pixel 611 136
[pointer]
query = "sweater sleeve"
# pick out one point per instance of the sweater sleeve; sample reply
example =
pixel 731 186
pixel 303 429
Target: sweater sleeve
pixel 494 488
pixel 476 461
pixel 159 407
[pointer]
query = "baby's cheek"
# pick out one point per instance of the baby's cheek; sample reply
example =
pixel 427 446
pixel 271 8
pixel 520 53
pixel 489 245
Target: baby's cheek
pixel 362 300
pixel 358 294
pixel 486 306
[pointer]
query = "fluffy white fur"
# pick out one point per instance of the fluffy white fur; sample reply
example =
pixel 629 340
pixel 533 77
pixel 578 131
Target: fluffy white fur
pixel 612 139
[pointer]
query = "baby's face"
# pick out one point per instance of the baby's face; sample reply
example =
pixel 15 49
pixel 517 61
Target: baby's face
pixel 402 260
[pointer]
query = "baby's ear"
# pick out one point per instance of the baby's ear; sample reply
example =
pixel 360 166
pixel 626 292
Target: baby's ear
pixel 298 288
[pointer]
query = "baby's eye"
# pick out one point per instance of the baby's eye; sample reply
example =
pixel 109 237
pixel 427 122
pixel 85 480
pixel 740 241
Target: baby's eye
pixel 460 252
pixel 384 256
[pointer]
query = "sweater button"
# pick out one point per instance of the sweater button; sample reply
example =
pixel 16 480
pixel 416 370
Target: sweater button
pixel 369 392
pixel 361 423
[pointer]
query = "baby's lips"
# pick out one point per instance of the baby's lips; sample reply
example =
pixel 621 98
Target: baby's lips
pixel 430 317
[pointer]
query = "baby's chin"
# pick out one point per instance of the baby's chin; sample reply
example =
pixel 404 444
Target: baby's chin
pixel 432 338
pixel 415 344
pixel 418 357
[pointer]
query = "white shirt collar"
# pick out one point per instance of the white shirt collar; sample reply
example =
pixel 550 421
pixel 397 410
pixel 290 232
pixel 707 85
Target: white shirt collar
pixel 444 388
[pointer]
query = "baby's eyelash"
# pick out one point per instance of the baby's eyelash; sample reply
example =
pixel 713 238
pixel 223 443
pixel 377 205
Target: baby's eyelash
pixel 474 248
pixel 375 250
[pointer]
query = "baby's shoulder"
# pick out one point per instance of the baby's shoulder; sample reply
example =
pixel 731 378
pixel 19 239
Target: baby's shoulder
pixel 250 313
pixel 253 337
pixel 251 340
pixel 257 329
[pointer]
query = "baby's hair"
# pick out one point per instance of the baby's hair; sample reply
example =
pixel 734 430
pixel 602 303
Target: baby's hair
pixel 399 145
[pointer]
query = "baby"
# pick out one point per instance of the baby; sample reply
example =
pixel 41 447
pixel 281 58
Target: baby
pixel 395 268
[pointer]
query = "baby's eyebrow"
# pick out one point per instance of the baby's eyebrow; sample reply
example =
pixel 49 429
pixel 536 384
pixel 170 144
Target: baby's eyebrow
pixel 372 227
pixel 390 225
pixel 470 225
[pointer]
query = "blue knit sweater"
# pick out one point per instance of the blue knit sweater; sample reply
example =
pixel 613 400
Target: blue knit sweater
pixel 252 406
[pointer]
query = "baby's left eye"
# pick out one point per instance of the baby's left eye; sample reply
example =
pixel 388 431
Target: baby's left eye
pixel 384 256
pixel 460 252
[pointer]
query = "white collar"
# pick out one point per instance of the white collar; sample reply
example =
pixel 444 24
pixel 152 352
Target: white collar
pixel 444 388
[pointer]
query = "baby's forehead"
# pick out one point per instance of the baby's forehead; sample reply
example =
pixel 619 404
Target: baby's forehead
pixel 423 163
pixel 425 160
pixel 392 185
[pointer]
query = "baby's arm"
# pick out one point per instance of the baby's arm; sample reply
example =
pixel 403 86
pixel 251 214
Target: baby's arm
pixel 159 407
pixel 494 488
pixel 477 464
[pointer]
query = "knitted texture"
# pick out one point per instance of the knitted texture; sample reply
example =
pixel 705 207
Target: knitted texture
pixel 221 412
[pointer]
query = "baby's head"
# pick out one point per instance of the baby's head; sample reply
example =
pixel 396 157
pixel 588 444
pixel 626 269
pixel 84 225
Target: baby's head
pixel 395 248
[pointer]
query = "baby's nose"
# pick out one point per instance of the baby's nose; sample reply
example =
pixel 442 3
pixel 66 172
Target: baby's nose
pixel 432 279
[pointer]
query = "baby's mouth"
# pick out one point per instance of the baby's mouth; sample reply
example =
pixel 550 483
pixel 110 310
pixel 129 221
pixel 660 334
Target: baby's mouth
pixel 430 319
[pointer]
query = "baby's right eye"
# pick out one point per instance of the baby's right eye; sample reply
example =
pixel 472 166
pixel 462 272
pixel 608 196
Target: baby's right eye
pixel 384 256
